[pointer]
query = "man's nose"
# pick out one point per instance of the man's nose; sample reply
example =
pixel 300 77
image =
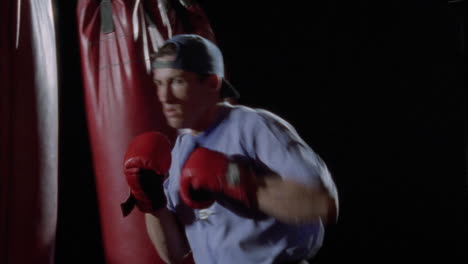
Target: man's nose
pixel 164 93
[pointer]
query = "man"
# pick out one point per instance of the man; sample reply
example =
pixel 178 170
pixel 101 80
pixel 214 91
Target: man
pixel 243 187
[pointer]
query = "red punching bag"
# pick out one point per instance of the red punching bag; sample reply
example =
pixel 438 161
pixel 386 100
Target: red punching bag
pixel 28 132
pixel 117 39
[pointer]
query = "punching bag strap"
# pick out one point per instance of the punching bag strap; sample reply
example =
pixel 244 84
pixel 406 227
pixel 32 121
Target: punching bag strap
pixel 107 25
pixel 186 3
pixel 180 8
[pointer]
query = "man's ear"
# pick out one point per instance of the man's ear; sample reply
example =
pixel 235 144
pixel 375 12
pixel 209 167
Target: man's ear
pixel 214 82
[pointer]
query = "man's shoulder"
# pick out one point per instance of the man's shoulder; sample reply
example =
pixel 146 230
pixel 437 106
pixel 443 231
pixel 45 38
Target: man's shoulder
pixel 269 119
pixel 240 110
pixel 247 113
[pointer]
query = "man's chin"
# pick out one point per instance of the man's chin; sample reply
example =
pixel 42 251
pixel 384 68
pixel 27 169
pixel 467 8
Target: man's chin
pixel 174 123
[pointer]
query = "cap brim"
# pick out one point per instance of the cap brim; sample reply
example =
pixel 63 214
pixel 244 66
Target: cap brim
pixel 228 90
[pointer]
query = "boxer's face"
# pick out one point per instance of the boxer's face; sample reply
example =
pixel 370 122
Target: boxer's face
pixel 183 96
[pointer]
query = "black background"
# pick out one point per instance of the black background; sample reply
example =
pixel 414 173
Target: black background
pixel 375 89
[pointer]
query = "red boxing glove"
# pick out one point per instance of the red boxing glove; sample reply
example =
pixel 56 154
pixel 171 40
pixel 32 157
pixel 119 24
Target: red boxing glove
pixel 208 172
pixel 146 165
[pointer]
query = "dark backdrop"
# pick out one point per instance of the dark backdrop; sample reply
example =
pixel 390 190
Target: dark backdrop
pixel 376 90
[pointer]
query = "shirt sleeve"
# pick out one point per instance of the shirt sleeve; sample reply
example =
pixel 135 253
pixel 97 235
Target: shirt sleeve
pixel 276 145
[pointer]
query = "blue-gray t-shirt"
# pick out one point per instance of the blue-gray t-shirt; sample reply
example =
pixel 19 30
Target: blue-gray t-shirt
pixel 227 232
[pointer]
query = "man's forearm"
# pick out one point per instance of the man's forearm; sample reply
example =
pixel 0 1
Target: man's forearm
pixel 167 236
pixel 294 203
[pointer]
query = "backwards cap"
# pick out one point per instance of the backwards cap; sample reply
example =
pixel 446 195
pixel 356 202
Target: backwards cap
pixel 199 55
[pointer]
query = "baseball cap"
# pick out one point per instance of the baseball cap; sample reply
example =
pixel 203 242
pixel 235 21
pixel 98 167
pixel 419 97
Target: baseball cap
pixel 199 55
